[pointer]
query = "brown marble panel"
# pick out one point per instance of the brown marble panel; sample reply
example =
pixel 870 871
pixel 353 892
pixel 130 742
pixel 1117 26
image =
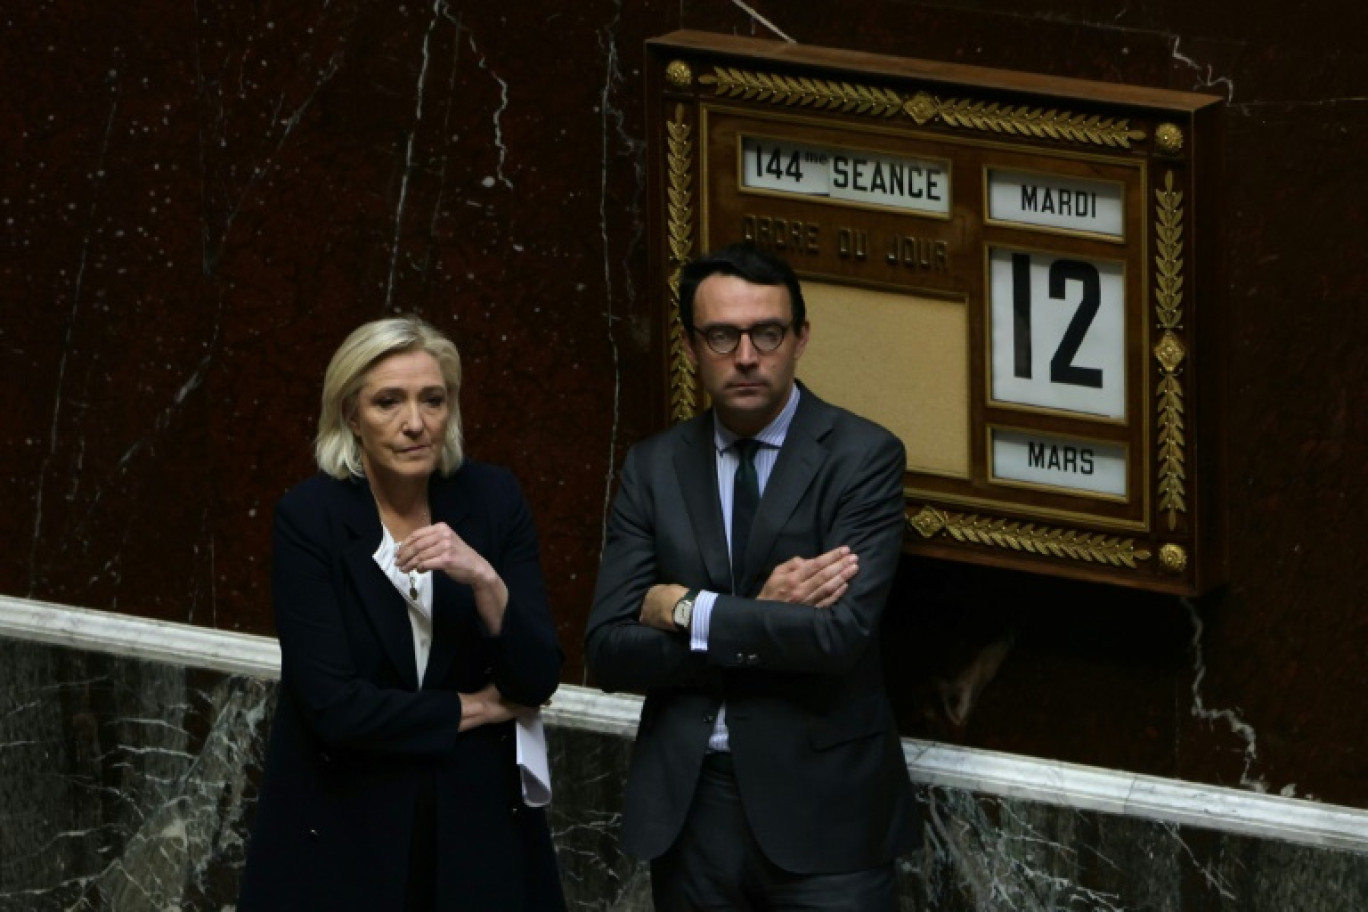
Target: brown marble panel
pixel 200 201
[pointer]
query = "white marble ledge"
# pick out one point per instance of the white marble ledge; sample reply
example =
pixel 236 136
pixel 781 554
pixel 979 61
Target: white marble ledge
pixel 141 638
pixel 989 773
pixel 1172 801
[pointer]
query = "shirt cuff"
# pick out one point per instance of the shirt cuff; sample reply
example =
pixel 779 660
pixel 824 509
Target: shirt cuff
pixel 701 621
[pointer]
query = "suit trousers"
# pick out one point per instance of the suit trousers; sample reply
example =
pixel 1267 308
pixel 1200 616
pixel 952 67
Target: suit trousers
pixel 716 864
pixel 420 889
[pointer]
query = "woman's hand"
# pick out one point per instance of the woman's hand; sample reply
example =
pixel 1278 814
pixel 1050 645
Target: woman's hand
pixel 487 707
pixel 436 548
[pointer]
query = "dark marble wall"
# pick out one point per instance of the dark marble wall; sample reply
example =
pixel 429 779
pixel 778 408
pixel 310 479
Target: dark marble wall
pixel 200 200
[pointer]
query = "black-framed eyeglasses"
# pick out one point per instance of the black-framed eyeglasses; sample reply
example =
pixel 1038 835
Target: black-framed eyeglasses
pixel 723 339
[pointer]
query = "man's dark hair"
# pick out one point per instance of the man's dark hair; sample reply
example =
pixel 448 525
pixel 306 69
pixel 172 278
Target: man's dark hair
pixel 745 261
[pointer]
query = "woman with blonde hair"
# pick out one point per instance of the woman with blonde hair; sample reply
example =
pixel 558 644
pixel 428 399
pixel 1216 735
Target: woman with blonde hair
pixel 416 641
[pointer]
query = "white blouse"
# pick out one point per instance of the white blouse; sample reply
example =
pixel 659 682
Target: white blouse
pixel 419 608
pixel 531 736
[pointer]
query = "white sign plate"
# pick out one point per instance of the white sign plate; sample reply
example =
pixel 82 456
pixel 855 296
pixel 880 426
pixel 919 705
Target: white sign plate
pixel 1052 201
pixel 1079 465
pixel 845 174
pixel 1058 332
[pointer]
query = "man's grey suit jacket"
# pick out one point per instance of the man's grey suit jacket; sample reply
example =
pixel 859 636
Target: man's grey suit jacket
pixel 819 765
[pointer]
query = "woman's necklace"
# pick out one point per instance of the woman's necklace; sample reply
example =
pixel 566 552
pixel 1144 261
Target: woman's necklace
pixel 413 575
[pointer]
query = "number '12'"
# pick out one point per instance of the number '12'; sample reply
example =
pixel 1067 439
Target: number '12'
pixel 1062 368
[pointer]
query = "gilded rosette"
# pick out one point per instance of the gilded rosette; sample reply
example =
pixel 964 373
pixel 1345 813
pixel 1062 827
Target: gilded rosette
pixel 679 74
pixel 1173 558
pixel 1168 138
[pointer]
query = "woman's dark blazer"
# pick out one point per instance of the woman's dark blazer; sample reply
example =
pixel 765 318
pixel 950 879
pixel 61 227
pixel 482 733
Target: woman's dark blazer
pixel 353 737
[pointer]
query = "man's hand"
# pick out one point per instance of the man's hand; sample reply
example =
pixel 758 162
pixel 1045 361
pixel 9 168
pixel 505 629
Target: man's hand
pixel 819 581
pixel 657 608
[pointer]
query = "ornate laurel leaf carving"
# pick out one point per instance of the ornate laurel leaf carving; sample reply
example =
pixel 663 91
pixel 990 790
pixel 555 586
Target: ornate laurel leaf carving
pixel 1021 120
pixel 1172 471
pixel 1169 352
pixel 821 94
pixel 922 107
pixel 1033 538
pixel 679 166
pixel 1168 261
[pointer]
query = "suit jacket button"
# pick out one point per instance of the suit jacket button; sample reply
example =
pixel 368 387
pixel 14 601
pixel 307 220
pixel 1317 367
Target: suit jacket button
pixel 710 718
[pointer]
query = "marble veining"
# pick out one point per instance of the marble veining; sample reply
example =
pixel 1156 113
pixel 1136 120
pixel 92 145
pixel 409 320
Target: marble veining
pixel 768 25
pixel 201 200
pixel 932 765
pixel 128 784
pixel 1207 79
pixel 1229 717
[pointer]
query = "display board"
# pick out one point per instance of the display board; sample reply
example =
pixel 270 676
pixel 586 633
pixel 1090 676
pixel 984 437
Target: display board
pixel 1018 275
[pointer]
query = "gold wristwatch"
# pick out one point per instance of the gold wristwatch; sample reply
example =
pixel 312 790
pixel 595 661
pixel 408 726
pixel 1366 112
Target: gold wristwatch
pixel 683 610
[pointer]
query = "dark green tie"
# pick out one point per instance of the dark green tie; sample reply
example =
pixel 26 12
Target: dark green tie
pixel 745 498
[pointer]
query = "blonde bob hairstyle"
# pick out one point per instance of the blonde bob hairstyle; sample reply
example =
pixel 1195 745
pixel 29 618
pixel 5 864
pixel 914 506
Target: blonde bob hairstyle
pixel 337 449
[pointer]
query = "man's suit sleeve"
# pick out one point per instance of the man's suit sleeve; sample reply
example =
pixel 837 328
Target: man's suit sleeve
pixel 624 654
pixel 867 515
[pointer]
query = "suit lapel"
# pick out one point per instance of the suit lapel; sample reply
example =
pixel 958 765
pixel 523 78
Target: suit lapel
pixel 695 463
pixel 452 604
pixel 381 603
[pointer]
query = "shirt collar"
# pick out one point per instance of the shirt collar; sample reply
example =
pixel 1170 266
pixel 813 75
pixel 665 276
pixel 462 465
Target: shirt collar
pixel 772 434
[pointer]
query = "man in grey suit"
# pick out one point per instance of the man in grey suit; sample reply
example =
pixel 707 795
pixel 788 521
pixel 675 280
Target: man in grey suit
pixel 749 554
